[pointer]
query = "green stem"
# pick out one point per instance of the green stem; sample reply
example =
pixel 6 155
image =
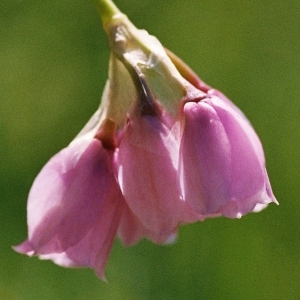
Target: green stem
pixel 107 10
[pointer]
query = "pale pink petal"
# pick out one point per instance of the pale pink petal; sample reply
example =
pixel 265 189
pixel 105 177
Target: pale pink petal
pixel 94 249
pixel 147 174
pixel 67 196
pixel 205 161
pixel 248 161
pixel 220 101
pixel 131 230
pixel 74 207
pixel 222 161
pixel 213 93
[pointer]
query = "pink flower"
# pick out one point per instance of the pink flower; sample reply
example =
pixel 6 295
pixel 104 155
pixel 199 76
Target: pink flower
pixel 147 173
pixel 222 163
pixel 163 149
pixel 74 207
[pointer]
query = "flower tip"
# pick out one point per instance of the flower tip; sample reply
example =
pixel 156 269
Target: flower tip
pixel 24 248
pixel 171 239
pixel 239 215
pixel 274 200
pixel 100 273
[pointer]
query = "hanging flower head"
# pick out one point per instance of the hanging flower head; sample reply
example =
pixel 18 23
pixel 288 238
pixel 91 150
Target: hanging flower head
pixel 163 149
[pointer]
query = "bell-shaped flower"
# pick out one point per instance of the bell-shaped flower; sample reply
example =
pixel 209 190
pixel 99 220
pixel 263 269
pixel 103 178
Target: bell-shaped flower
pixel 222 166
pixel 162 149
pixel 147 174
pixel 74 207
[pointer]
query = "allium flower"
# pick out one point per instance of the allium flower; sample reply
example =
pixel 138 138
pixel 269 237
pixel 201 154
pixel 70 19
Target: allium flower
pixel 147 172
pixel 74 207
pixel 222 161
pixel 162 149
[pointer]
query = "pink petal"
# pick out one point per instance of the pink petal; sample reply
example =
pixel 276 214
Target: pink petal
pixel 147 161
pixel 131 230
pixel 205 164
pixel 73 207
pixel 222 161
pixel 250 183
pixel 94 249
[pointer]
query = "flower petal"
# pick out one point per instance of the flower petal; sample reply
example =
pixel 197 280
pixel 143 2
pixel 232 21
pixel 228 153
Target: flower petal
pixel 205 161
pixel 67 196
pixel 222 161
pixel 94 249
pixel 250 184
pixel 131 230
pixel 147 174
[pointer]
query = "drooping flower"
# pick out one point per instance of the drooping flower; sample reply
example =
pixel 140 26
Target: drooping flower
pixel 74 207
pixel 222 161
pixel 164 148
pixel 147 172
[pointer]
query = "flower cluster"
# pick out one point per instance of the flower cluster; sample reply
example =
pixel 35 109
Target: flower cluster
pixel 163 149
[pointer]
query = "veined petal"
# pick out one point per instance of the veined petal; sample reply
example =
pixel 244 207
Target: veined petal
pixel 131 230
pixel 250 184
pixel 94 249
pixel 68 195
pixel 205 159
pixel 219 100
pixel 147 160
pixel 222 161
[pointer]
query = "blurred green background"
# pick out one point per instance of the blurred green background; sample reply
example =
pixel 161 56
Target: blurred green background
pixel 53 66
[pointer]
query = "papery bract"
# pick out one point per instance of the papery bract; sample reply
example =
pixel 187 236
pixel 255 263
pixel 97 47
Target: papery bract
pixel 221 160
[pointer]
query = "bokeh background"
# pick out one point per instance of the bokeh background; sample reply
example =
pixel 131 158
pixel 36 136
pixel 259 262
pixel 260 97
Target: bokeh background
pixel 53 66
